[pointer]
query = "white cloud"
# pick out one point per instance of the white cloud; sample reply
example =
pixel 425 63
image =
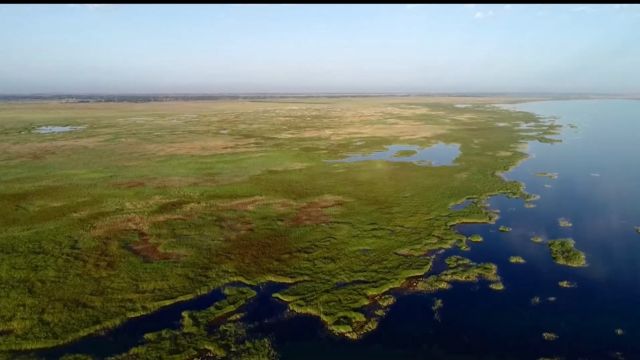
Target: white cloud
pixel 483 14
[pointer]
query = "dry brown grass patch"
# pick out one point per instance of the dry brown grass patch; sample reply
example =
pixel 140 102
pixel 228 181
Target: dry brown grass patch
pixel 312 212
pixel 108 231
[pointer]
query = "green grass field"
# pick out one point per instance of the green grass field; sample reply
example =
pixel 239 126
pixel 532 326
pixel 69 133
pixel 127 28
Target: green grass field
pixel 152 203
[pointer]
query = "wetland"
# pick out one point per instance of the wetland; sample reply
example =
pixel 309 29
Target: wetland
pixel 234 232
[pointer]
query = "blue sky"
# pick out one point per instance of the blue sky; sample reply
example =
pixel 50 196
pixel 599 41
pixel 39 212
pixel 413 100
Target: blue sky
pixel 319 48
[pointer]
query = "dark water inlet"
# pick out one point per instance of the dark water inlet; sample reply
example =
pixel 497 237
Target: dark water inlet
pixel 131 333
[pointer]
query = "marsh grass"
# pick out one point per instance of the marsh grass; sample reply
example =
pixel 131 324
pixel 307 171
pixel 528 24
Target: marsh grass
pixel 567 284
pixel 564 222
pixel 563 252
pixel 498 286
pixel 550 175
pixel 437 305
pixel 459 269
pixel 475 238
pixel 537 239
pixel 405 153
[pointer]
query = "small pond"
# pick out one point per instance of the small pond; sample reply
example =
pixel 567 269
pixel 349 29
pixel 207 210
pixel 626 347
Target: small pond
pixel 439 154
pixel 56 129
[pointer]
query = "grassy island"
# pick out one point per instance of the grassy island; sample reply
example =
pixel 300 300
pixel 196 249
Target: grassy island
pixel 517 260
pixel 503 228
pixel 567 284
pixel 155 203
pixel 459 269
pixel 563 222
pixel 437 305
pixel 498 286
pixel 537 239
pixel 563 252
pixel 550 175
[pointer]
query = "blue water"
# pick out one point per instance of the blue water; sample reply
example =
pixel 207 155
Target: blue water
pixel 56 129
pixel 437 155
pixel 598 190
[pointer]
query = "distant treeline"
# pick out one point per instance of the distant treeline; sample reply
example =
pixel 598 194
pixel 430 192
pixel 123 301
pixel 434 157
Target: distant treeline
pixel 191 97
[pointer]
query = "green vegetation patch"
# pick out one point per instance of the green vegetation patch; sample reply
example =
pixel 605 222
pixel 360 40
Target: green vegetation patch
pixel 537 239
pixel 563 252
pixel 567 284
pixel 405 153
pixel 475 238
pixel 459 269
pixel 504 228
pixel 550 175
pixel 549 336
pixel 563 222
pixel 498 286
pixel 437 305
pixel 517 260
